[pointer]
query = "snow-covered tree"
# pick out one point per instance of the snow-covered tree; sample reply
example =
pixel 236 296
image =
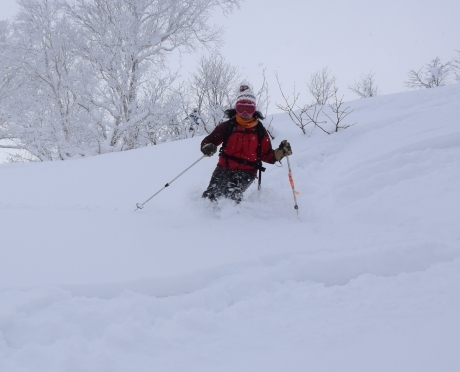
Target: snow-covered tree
pixel 213 88
pixel 433 74
pixel 5 77
pixel 88 73
pixel 41 112
pixel 5 74
pixel 365 86
pixel 127 44
pixel 4 30
pixel 456 66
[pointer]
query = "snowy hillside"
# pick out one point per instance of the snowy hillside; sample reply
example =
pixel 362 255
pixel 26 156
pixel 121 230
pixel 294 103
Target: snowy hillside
pixel 366 280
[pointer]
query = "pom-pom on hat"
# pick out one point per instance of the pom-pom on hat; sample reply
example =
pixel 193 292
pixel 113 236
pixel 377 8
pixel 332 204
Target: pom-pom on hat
pixel 247 94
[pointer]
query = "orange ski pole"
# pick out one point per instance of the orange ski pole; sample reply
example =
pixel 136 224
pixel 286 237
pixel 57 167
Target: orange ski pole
pixel 291 181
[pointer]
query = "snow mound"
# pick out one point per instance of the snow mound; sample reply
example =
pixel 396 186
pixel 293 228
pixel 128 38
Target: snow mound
pixel 365 278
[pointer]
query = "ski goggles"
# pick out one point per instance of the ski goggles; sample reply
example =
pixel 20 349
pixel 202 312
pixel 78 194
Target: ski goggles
pixel 245 109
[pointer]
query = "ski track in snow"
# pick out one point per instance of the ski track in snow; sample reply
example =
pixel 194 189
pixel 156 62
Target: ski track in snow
pixel 366 278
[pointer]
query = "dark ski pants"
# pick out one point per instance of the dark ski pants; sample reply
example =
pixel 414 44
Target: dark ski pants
pixel 229 184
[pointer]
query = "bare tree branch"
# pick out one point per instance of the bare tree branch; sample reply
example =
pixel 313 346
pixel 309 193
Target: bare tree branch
pixel 321 86
pixel 433 74
pixel 301 116
pixel 339 113
pixel 365 86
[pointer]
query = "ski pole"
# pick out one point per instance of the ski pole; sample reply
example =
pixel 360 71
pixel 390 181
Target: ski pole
pixel 141 205
pixel 291 181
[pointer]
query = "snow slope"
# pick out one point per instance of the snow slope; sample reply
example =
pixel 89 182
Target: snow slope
pixel 366 280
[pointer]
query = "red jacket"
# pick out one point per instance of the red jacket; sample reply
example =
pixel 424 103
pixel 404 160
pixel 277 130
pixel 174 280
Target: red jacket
pixel 241 144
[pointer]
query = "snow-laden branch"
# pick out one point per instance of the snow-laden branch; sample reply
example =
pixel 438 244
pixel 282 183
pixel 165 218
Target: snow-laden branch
pixel 81 77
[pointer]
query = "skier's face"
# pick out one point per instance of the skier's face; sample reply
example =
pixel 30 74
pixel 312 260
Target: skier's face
pixel 245 109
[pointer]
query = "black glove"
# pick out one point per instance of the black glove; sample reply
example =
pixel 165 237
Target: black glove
pixel 209 149
pixel 283 150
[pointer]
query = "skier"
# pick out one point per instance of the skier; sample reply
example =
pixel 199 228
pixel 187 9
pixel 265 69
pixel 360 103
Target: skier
pixel 194 119
pixel 245 144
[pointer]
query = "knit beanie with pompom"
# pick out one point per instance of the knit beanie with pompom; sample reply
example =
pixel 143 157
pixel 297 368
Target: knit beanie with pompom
pixel 247 94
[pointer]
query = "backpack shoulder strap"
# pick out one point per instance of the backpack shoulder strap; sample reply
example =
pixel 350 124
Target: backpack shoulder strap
pixel 261 133
pixel 229 129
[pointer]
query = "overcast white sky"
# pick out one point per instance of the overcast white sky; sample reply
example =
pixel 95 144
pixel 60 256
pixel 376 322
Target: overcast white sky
pixel 299 37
